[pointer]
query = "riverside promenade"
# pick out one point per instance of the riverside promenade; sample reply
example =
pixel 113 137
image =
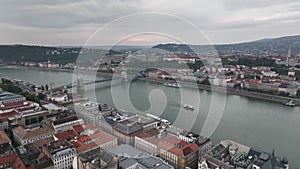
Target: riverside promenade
pixel 226 90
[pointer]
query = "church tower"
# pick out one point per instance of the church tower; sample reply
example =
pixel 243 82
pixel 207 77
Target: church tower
pixel 289 55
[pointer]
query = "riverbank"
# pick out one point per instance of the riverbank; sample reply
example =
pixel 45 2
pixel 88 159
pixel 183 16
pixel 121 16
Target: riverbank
pixel 57 69
pixel 239 92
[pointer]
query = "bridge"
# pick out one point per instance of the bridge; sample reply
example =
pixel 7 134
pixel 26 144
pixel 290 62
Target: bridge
pixel 80 83
pixel 68 86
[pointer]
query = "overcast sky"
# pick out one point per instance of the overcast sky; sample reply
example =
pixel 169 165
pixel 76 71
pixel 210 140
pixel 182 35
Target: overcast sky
pixel 72 22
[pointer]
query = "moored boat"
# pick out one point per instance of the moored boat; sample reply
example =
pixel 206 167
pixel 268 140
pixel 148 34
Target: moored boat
pixel 187 106
pixel 174 85
pixel 290 103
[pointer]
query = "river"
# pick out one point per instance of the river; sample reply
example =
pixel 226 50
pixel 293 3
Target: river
pixel 261 124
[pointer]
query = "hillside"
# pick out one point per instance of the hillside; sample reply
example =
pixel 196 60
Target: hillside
pixel 20 53
pixel 274 46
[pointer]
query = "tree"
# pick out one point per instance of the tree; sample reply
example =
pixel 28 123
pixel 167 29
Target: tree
pixel 205 82
pixel 298 93
pixel 41 96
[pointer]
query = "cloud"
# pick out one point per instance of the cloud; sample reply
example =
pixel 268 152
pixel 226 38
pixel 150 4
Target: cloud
pixel 72 21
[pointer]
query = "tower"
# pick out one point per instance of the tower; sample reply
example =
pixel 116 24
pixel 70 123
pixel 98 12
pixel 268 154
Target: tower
pixel 289 54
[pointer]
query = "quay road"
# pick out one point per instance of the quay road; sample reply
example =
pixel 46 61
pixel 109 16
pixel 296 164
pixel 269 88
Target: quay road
pixel 241 92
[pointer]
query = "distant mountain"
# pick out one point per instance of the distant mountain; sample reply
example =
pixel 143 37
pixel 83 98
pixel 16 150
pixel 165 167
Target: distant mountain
pixel 264 47
pixel 21 53
pixel 63 54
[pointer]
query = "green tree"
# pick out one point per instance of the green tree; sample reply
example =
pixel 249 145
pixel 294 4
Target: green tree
pixel 298 93
pixel 41 96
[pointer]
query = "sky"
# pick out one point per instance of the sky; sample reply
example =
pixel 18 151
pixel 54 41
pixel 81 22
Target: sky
pixel 144 22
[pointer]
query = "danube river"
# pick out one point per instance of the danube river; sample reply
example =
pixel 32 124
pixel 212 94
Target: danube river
pixel 261 124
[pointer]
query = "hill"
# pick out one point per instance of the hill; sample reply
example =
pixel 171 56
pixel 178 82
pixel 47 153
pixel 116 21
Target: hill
pixel 264 47
pixel 21 53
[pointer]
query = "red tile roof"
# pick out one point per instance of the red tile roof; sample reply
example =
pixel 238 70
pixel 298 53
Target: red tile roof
pixel 66 135
pixel 96 140
pixel 76 143
pixel 18 164
pixel 44 141
pixel 86 147
pixel 4 116
pixel 42 157
pixel 177 146
pixel 4 138
pixel 22 133
pixel 101 137
pixel 83 138
pixel 78 128
pixel 8 159
pixel 88 126
pixel 15 104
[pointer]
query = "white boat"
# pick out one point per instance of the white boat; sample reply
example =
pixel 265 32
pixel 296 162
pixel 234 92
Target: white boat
pixel 187 106
pixel 174 85
pixel 165 121
pixel 290 103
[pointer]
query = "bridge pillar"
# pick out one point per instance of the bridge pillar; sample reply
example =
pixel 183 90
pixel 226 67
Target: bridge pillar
pixel 80 86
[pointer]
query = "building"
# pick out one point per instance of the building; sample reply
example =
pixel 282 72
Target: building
pixel 4 116
pixel 104 140
pixel 7 97
pixel 99 139
pixel 178 153
pixel 125 150
pixel 144 161
pixel 5 143
pixel 131 158
pixel 11 160
pixel 53 108
pixel 92 112
pixel 96 159
pixel 257 85
pixel 66 123
pixel 126 129
pixel 147 142
pixel 229 154
pixel 61 153
pixel 24 136
pixel 29 118
pixel 204 143
pixel 87 137
pixel 263 160
pixel 8 157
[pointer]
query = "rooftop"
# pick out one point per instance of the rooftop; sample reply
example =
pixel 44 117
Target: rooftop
pixel 94 156
pixel 125 150
pixel 66 135
pixel 26 133
pixel 8 96
pixel 132 124
pixel 3 137
pixel 241 156
pixel 148 162
pixel 177 146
